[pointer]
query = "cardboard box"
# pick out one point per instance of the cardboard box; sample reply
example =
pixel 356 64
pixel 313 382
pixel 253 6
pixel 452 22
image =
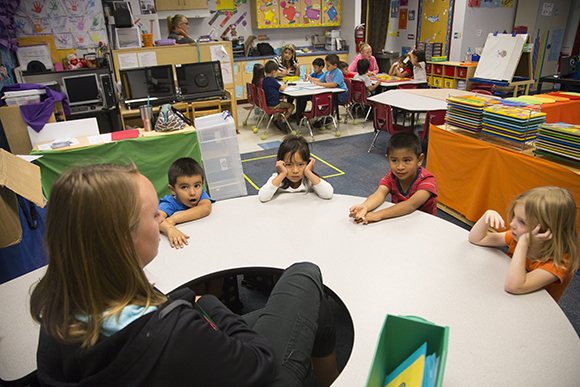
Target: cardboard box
pixel 399 338
pixel 17 177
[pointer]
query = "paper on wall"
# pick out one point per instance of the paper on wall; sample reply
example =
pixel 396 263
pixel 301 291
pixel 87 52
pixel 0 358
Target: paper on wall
pixel 227 73
pixel 128 61
pixel 219 53
pixel 147 59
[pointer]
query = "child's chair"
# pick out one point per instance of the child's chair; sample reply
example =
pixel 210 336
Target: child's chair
pixel 348 103
pixel 435 117
pixel 251 92
pixel 481 91
pixel 359 98
pixel 322 107
pixel 396 112
pixel 264 106
pixel 383 121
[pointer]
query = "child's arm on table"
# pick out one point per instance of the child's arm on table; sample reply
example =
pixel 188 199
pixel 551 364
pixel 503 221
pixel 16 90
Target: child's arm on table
pixel 322 188
pixel 269 189
pixel 360 211
pixel 399 209
pixel 479 234
pixel 177 239
pixel 317 81
pixel 518 280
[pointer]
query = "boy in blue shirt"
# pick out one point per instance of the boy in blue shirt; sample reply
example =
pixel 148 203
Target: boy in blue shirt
pixel 333 78
pixel 317 68
pixel 272 88
pixel 188 200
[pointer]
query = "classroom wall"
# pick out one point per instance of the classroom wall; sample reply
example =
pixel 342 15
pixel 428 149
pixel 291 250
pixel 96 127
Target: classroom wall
pixel 474 24
pixel 407 37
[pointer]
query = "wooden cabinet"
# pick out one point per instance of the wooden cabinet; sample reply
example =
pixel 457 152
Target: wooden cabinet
pixel 170 5
pixel 448 74
pixel 298 13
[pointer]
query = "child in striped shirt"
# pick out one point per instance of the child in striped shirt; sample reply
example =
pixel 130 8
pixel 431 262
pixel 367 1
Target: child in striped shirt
pixel 411 186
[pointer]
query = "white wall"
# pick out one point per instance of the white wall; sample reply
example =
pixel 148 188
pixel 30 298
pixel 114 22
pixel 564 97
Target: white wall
pixel 571 27
pixel 395 43
pixel 470 20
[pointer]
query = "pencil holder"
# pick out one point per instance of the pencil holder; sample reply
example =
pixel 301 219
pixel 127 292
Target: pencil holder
pixel 147 40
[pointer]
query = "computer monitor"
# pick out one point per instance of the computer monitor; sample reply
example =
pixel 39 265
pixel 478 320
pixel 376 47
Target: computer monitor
pixel 200 80
pixel 82 89
pixel 153 83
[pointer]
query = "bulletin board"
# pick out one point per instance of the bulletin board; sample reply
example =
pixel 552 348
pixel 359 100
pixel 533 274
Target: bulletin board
pixel 296 13
pixel 73 23
pixel 435 22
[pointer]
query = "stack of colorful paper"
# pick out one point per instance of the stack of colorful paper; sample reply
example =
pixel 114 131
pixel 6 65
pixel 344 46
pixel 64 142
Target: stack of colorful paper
pixel 560 141
pixel 511 123
pixel 466 112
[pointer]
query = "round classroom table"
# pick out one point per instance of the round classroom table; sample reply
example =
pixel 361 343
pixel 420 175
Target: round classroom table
pixel 417 265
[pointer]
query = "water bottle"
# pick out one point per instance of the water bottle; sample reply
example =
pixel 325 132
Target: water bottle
pixel 468 56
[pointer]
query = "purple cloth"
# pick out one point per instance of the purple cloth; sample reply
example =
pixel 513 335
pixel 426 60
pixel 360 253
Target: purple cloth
pixel 37 115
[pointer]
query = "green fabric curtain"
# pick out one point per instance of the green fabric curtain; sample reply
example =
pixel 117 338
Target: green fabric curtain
pixel 378 22
pixel 152 155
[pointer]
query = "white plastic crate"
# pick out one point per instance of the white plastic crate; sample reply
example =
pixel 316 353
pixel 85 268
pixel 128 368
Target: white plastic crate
pixel 220 154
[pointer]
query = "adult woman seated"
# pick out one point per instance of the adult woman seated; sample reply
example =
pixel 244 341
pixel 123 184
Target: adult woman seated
pixel 287 63
pixel 366 52
pixel 177 27
pixel 104 324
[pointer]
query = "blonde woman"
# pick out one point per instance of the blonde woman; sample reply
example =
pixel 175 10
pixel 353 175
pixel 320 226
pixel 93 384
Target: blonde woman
pixel 366 52
pixel 177 28
pixel 104 324
pixel 287 63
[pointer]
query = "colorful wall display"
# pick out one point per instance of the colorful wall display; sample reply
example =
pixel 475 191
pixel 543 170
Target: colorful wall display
pixel 297 13
pixel 74 23
pixel 435 22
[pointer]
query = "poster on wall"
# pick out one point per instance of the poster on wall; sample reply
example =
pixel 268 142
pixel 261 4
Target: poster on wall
pixel 403 19
pixel 411 15
pixel 394 9
pixel 434 23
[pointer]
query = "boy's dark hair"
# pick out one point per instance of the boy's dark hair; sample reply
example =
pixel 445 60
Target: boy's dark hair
pixel 420 54
pixel 404 140
pixel 342 65
pixel 362 66
pixel 318 62
pixel 270 66
pixel 258 74
pixel 292 144
pixel 332 59
pixel 185 166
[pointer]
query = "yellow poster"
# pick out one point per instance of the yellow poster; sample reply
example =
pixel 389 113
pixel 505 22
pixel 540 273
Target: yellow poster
pixel 225 5
pixel 434 22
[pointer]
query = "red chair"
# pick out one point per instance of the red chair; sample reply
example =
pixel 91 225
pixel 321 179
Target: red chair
pixel 262 104
pixel 322 107
pixel 251 93
pixel 481 91
pixel 347 104
pixel 435 117
pixel 383 121
pixel 359 98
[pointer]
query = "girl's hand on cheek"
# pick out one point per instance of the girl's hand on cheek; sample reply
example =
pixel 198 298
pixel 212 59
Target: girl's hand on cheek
pixel 541 237
pixel 310 165
pixel 281 167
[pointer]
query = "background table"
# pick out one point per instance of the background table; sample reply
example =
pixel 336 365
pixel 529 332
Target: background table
pixel 152 154
pixel 474 176
pixel 303 91
pixel 415 265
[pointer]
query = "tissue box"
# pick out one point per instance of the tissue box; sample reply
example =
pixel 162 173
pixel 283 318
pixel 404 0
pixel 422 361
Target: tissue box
pixel 400 337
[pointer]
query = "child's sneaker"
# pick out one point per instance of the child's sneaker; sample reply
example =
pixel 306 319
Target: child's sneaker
pixel 281 125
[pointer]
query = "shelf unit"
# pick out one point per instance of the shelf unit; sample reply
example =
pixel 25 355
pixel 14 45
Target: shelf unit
pixel 446 75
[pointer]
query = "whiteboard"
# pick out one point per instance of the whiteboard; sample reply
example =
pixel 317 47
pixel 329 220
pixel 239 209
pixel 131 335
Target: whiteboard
pixel 500 56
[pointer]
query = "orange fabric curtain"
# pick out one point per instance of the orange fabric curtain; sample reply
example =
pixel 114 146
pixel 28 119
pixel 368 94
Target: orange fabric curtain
pixel 568 112
pixel 474 176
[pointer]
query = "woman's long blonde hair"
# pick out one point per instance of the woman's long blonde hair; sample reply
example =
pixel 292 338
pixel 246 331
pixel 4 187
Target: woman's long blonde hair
pixel 292 62
pixel 173 22
pixel 552 208
pixel 93 267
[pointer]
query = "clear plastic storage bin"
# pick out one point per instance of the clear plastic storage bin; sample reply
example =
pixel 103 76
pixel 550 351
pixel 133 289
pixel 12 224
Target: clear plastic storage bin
pixel 220 154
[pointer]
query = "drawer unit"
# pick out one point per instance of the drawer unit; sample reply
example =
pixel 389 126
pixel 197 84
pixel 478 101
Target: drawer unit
pixel 449 83
pixel 437 69
pixel 462 72
pixel 437 81
pixel 449 71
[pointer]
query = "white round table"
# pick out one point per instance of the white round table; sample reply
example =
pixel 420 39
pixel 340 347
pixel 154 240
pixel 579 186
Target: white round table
pixel 416 265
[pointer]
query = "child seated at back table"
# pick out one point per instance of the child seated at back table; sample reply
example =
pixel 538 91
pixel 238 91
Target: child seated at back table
pixel 333 77
pixel 411 186
pixel 362 67
pixel 272 88
pixel 317 68
pixel 188 200
pixel 402 68
pixel 343 66
pixel 295 171
pixel 542 240
pixel 417 58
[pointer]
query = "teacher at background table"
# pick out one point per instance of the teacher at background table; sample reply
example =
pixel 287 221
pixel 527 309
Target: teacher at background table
pixel 177 27
pixel 366 52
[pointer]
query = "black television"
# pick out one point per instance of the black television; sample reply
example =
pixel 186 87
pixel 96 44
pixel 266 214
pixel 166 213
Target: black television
pixel 82 89
pixel 200 80
pixel 154 83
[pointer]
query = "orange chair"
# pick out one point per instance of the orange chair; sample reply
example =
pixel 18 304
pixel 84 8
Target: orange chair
pixel 383 121
pixel 251 92
pixel 322 107
pixel 262 104
pixel 359 98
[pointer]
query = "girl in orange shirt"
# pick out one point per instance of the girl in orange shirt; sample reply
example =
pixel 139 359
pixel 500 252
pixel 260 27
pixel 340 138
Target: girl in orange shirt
pixel 542 240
